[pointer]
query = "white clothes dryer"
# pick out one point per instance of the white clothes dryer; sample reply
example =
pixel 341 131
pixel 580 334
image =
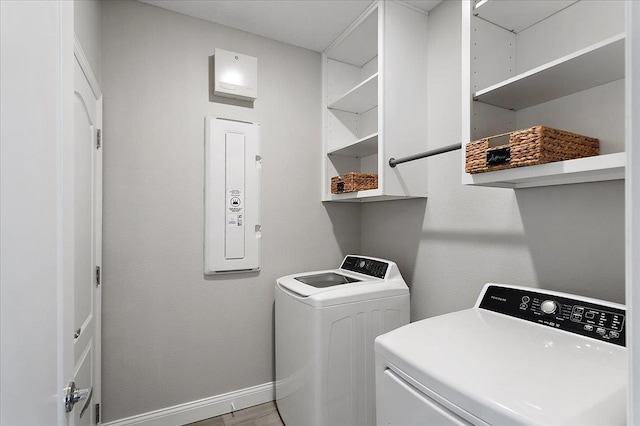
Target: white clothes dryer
pixel 520 356
pixel 325 326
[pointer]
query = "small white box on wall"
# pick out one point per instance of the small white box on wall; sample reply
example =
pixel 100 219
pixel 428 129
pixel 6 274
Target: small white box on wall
pixel 235 75
pixel 232 229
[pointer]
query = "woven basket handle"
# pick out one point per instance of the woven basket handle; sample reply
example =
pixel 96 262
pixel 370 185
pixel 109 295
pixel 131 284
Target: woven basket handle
pixel 498 136
pixel 488 139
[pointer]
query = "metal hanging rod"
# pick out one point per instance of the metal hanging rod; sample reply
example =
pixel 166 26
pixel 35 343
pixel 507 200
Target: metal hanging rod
pixel 393 162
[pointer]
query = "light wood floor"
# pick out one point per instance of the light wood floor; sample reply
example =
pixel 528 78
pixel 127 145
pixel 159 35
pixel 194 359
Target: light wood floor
pixel 260 415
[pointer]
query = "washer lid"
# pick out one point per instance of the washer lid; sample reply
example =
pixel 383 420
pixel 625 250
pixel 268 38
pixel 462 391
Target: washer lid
pixel 507 371
pixel 359 278
pixel 362 287
pixel 326 279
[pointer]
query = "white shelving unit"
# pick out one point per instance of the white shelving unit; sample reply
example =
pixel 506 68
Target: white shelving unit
pixel 363 147
pixel 360 99
pixel 587 68
pixel 521 76
pixel 589 169
pixel 375 101
pixel 517 16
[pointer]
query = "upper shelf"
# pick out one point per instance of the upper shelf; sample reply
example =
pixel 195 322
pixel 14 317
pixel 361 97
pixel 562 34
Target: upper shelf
pixel 590 67
pixel 360 99
pixel 518 15
pixel 590 169
pixel 358 149
pixel 359 43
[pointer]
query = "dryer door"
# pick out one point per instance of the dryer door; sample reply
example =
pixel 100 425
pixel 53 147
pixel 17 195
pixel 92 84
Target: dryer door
pixel 399 403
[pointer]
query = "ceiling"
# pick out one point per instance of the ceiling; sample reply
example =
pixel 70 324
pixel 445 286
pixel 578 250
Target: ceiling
pixel 312 24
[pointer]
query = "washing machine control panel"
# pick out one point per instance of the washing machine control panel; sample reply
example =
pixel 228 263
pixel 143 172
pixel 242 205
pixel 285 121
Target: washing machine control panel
pixel 577 316
pixel 363 265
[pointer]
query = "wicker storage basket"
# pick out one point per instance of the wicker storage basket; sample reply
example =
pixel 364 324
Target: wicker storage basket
pixel 351 182
pixel 535 145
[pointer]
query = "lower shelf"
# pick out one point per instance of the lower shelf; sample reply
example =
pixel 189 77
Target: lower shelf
pixel 590 169
pixel 369 196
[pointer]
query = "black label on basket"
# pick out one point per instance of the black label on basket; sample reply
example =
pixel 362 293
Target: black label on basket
pixel 498 156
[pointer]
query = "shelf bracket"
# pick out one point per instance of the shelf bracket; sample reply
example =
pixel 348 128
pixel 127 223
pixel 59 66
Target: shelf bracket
pixel 393 162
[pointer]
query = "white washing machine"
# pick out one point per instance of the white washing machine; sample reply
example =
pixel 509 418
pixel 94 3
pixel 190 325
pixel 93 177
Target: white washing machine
pixel 520 356
pixel 326 322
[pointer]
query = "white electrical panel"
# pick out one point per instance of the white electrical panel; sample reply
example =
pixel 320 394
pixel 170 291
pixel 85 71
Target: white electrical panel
pixel 232 196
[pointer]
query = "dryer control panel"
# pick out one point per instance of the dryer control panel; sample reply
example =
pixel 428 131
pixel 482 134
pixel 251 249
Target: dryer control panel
pixel 556 310
pixel 364 265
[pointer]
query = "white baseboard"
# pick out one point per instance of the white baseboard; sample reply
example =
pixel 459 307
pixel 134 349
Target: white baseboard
pixel 202 409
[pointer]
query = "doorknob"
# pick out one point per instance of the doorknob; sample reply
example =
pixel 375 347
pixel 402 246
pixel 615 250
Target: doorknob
pixel 73 395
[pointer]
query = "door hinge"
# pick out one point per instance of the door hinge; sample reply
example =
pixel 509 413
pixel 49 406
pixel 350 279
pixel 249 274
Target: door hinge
pixel 97 413
pixel 98 138
pixel 97 276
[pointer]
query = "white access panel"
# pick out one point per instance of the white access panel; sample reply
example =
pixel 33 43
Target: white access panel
pixel 232 230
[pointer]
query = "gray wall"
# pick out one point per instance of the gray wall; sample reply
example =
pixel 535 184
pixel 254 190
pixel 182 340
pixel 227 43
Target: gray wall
pixel 87 25
pixel 566 238
pixel 171 335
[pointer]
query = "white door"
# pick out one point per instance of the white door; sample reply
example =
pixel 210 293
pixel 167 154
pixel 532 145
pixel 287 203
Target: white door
pixel 87 230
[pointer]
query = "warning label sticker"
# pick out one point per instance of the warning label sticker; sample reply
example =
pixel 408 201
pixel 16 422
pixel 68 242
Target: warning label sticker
pixel 235 207
pixel 234 220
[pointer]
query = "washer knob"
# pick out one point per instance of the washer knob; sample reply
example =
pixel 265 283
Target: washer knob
pixel 549 307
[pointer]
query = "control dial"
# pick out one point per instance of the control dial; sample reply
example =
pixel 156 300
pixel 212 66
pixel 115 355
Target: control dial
pixel 549 307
